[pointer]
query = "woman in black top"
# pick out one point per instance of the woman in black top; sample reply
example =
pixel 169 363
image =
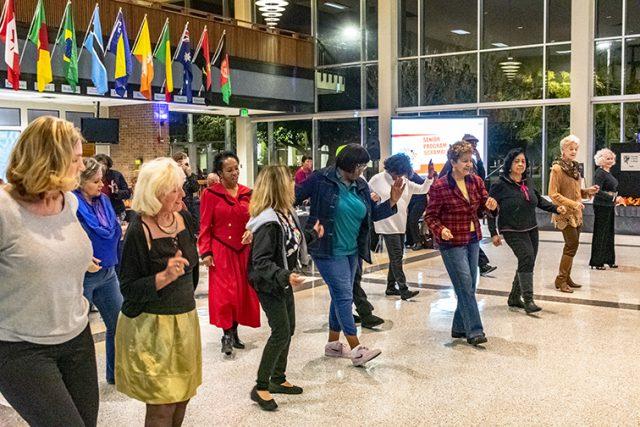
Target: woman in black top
pixel 517 204
pixel 278 240
pixel 603 250
pixel 158 350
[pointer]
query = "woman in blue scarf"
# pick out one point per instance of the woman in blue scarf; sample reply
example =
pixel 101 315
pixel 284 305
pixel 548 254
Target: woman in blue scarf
pixel 101 286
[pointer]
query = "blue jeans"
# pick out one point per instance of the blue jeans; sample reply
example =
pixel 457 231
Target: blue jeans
pixel 338 272
pixel 462 265
pixel 102 289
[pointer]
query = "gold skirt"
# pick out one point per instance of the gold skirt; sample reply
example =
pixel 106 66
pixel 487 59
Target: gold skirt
pixel 158 357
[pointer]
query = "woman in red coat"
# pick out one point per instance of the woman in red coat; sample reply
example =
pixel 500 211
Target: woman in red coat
pixel 223 245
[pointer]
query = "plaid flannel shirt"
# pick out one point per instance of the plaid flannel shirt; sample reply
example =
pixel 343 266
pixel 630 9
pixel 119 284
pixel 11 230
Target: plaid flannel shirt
pixel 449 208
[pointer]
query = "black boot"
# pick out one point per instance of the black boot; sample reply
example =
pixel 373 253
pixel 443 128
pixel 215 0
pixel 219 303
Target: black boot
pixel 526 285
pixel 515 297
pixel 234 335
pixel 227 342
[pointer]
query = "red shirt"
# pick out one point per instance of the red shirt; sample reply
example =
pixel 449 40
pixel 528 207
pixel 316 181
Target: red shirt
pixel 302 175
pixel 449 208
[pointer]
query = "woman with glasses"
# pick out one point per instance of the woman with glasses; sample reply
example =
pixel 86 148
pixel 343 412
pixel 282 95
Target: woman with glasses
pixel 341 201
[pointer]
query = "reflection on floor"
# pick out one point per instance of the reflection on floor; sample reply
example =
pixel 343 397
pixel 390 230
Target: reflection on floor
pixel 574 363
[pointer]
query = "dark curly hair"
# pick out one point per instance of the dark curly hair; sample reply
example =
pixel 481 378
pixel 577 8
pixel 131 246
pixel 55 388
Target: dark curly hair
pixel 458 149
pixel 399 164
pixel 351 156
pixel 104 159
pixel 220 158
pixel 510 157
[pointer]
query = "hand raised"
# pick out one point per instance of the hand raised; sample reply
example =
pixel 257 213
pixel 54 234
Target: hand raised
pixel 397 188
pixel 175 266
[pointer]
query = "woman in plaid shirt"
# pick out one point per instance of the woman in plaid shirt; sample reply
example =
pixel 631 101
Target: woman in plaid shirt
pixel 455 200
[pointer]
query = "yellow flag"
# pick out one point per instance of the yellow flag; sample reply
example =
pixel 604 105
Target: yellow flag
pixel 142 51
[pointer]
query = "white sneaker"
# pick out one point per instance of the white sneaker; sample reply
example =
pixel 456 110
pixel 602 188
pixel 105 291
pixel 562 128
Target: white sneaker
pixel 361 355
pixel 336 349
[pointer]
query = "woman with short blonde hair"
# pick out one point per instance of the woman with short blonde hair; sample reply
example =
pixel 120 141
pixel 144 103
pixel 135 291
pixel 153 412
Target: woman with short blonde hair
pixel 45 338
pixel 158 350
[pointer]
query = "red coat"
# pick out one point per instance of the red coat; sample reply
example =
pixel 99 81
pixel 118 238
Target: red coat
pixel 223 221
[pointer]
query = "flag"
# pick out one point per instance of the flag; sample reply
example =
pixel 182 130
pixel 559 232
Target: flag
pixel 184 56
pixel 70 54
pixel 119 46
pixel 39 36
pixel 9 36
pixel 203 59
pixel 93 44
pixel 221 60
pixel 163 54
pixel 142 51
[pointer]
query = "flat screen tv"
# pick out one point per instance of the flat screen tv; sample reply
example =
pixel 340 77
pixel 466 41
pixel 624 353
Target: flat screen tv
pixel 100 130
pixel 426 139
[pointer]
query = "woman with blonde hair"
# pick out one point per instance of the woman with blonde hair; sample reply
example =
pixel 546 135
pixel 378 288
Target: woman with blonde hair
pixel 603 246
pixel 158 350
pixel 278 240
pixel 47 356
pixel 564 190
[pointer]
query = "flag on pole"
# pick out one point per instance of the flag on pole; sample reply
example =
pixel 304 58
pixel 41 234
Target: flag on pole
pixel 184 56
pixel 221 60
pixel 203 58
pixel 70 54
pixel 39 36
pixel 163 54
pixel 119 46
pixel 142 51
pixel 93 44
pixel 9 35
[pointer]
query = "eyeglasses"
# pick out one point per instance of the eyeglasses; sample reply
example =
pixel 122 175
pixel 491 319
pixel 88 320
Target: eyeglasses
pixel 361 166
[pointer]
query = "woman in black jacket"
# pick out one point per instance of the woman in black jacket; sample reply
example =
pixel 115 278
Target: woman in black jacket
pixel 278 240
pixel 517 204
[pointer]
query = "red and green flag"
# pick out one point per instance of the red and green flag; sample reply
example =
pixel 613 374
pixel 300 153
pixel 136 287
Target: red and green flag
pixel 38 35
pixel 221 60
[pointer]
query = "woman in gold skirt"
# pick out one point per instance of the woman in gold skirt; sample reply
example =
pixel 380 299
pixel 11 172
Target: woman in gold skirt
pixel 158 350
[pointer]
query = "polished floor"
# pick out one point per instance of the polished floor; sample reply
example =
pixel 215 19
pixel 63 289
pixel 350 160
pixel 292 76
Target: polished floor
pixel 575 363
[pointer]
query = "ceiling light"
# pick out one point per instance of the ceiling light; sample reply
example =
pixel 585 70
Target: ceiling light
pixel 336 5
pixel 520 27
pixel 281 3
pixel 271 19
pixel 272 15
pixel 351 33
pixel 563 52
pixel 499 44
pixel 603 45
pixel 460 32
pixel 271 9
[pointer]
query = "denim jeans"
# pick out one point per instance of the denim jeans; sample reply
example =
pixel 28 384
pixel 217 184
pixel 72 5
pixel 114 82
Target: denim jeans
pixel 102 289
pixel 339 272
pixel 462 265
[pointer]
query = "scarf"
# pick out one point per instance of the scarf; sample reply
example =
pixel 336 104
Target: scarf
pixel 292 235
pixel 570 168
pixel 98 216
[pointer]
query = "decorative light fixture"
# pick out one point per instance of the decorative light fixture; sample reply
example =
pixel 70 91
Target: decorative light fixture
pixel 271 10
pixel 510 68
pixel 460 32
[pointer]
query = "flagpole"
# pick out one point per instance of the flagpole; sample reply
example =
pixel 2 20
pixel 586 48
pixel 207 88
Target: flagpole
pixel 181 38
pixel 137 39
pixel 218 48
pixel 64 15
pixel 86 33
pixel 29 32
pixel 164 27
pixel 195 55
pixel 4 10
pixel 114 27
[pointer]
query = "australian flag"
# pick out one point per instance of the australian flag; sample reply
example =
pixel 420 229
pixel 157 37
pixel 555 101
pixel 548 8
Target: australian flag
pixel 184 57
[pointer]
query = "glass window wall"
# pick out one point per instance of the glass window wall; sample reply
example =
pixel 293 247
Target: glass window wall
pixel 339 32
pixel 449 26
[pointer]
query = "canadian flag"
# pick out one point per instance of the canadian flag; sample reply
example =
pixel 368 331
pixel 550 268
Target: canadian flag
pixel 9 36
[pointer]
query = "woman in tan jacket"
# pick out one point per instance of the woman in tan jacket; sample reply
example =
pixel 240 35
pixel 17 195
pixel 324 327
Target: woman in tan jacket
pixel 564 190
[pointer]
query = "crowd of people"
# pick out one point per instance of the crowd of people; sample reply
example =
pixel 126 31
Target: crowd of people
pixel 61 248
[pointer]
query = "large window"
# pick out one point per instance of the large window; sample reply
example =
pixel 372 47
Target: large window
pixel 283 143
pixel 339 32
pixel 331 135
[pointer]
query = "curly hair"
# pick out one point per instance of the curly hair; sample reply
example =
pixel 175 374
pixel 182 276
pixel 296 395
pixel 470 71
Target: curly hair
pixel 599 157
pixel 458 149
pixel 398 164
pixel 218 161
pixel 510 157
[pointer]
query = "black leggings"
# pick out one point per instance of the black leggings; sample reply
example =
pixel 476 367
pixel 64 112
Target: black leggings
pixel 51 385
pixel 525 247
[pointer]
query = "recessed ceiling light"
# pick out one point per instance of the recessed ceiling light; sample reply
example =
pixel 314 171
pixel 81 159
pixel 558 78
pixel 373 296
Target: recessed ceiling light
pixel 336 5
pixel 499 44
pixel 520 27
pixel 563 52
pixel 460 32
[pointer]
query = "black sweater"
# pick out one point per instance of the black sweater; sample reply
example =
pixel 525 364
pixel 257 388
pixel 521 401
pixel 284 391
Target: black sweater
pixel 606 196
pixel 515 212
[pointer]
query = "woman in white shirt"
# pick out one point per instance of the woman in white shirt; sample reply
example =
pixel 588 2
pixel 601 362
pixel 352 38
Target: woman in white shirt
pixel 393 228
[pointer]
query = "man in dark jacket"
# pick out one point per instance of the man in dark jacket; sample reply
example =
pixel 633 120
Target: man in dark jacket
pixel 115 186
pixel 190 187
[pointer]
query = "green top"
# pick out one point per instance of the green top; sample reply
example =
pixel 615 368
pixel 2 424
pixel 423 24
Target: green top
pixel 350 212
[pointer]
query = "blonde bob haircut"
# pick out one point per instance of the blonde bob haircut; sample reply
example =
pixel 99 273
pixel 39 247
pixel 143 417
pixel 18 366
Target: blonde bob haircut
pixel 42 156
pixel 274 188
pixel 599 157
pixel 156 179
pixel 571 139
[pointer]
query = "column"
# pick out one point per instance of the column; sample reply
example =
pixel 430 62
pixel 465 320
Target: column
pixel 242 11
pixel 245 150
pixel 192 150
pixel 387 72
pixel 582 27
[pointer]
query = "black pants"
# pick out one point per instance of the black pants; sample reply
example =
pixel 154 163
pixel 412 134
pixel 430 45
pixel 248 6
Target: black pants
pixel 416 211
pixel 51 385
pixel 482 258
pixel 525 247
pixel 281 313
pixel 395 249
pixel 360 300
pixel 603 247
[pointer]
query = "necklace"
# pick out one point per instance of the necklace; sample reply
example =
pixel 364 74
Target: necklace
pixel 173 224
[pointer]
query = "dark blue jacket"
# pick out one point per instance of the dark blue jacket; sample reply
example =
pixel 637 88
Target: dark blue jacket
pixel 323 189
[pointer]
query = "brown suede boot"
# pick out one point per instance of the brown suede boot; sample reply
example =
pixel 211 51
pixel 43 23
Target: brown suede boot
pixel 570 282
pixel 563 274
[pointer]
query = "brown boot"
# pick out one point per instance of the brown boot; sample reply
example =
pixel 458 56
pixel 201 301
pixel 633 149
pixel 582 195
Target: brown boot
pixel 570 282
pixel 563 274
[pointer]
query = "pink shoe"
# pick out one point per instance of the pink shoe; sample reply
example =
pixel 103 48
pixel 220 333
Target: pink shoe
pixel 361 355
pixel 336 349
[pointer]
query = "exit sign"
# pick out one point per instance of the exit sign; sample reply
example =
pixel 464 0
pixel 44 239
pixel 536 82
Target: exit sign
pixel 244 112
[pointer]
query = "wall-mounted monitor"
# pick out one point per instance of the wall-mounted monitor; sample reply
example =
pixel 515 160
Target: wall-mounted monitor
pixel 100 130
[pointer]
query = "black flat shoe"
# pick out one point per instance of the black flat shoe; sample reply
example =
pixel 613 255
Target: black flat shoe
pixel 267 405
pixel 476 341
pixel 392 292
pixel 407 294
pixel 237 343
pixel 279 388
pixel 613 265
pixel 371 321
pixel 356 318
pixel 458 335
